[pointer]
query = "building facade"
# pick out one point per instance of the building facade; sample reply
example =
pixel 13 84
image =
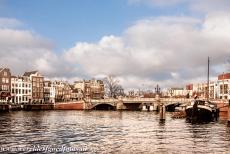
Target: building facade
pixel 223 84
pixel 37 86
pixel 21 90
pixel 177 92
pixel 49 92
pixel 91 89
pixel 5 85
pixel 59 91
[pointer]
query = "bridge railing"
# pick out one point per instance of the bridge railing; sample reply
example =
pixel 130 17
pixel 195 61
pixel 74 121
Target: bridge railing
pixel 139 99
pixel 112 100
pixel 103 100
pixel 176 99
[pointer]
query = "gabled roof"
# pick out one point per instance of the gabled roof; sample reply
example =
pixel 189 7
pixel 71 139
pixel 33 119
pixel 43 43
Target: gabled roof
pixel 1 69
pixel 29 73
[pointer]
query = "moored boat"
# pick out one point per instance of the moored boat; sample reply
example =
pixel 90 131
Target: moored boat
pixel 201 110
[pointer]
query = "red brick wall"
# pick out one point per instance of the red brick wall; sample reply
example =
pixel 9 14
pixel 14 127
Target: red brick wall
pixel 224 76
pixel 69 106
pixel 189 87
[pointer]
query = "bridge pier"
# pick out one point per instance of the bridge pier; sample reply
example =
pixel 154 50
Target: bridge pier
pixel 229 115
pixel 144 108
pixel 120 106
pixel 151 108
pixel 162 112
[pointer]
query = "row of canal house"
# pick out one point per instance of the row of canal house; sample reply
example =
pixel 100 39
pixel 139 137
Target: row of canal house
pixel 32 87
pixel 219 89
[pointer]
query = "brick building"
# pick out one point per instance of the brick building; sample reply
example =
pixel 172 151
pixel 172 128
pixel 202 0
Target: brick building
pixel 49 92
pixel 91 89
pixel 5 85
pixel 37 86
pixel 224 86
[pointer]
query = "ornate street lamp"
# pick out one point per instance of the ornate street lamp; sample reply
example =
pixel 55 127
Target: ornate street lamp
pixel 157 89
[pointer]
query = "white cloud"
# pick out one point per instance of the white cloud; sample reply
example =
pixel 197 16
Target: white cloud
pixel 23 50
pixel 207 6
pixel 164 50
pixel 167 50
pixel 9 22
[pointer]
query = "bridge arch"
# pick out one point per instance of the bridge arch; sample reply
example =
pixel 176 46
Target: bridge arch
pixel 171 106
pixel 104 106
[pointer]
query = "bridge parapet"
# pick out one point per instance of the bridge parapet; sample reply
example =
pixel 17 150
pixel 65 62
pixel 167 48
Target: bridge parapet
pixel 113 102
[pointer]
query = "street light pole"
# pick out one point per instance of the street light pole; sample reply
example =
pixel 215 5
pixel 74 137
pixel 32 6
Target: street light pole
pixel 223 86
pixel 208 82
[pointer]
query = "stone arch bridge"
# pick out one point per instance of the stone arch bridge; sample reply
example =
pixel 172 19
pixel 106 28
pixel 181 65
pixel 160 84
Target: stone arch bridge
pixel 132 103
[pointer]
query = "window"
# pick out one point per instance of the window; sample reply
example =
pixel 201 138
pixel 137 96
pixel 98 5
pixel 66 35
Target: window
pixel 5 87
pixel 7 80
pixel 3 80
pixel 5 73
pixel 22 84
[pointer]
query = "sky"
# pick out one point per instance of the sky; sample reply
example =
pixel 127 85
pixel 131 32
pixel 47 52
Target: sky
pixel 141 42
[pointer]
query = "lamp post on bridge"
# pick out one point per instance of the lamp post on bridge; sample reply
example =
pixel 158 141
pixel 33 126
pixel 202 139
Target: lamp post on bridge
pixel 157 89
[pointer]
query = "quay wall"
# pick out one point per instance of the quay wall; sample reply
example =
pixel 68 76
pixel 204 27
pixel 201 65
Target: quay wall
pixel 69 105
pixel 222 105
pixel 31 107
pixel 5 107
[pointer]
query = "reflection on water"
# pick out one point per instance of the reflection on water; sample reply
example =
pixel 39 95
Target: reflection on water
pixel 112 132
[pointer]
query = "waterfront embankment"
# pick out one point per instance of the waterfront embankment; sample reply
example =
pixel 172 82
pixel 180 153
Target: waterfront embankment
pixel 31 107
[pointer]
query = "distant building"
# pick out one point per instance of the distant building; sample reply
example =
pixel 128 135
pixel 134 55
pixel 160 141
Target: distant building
pixel 76 94
pixel 49 92
pixel 91 89
pixel 177 92
pixel 67 91
pixel 224 86
pixel 37 86
pixel 59 91
pixel 21 90
pixel 131 93
pixel 5 85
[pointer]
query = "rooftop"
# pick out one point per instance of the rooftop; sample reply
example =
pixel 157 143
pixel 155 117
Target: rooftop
pixel 29 73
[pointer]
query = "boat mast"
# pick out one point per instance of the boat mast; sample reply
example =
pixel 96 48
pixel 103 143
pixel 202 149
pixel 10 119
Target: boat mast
pixel 208 82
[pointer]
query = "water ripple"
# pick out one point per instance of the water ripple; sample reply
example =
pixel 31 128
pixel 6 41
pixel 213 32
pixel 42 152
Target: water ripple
pixel 111 132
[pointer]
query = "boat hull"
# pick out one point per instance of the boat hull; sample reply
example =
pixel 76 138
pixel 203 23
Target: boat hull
pixel 201 113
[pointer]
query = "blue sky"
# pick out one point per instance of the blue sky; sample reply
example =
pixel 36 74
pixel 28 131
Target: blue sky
pixel 67 22
pixel 142 42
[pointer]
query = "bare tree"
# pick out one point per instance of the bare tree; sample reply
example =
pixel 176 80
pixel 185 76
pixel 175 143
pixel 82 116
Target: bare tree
pixel 112 87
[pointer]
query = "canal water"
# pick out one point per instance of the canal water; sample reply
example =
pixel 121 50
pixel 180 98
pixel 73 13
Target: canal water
pixel 108 132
